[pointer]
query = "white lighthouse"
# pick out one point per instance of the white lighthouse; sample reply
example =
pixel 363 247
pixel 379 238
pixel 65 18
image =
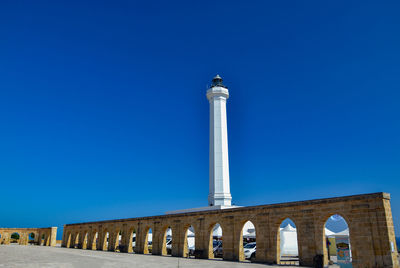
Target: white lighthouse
pixel 219 194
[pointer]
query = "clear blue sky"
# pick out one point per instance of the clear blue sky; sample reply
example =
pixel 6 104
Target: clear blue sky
pixel 103 112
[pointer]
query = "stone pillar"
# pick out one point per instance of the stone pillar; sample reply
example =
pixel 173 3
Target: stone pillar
pixel 385 232
pixel 53 236
pixel 202 240
pixel 141 238
pixel 237 246
pixel 124 246
pixel 64 238
pixel 113 240
pixel 360 238
pixel 372 234
pixel 100 239
pixel 306 238
pixel 23 238
pixel 46 238
pixel 178 239
pixel 158 236
pixel 265 245
pixel 92 239
pixel 7 237
pixel 73 239
pixel 273 241
pixel 37 238
pixel 27 238
pixel 320 238
pixel 81 241
pixel 228 238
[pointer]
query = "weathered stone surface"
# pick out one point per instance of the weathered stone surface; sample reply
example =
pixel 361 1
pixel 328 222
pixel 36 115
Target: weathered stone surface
pixel 368 216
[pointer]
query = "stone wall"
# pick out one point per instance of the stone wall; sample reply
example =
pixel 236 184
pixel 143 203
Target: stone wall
pixel 368 216
pixel 42 236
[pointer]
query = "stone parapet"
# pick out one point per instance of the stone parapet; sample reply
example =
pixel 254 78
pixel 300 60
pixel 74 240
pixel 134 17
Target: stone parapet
pixel 41 236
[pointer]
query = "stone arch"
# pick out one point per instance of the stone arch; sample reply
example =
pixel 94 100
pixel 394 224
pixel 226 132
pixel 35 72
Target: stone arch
pixel 291 258
pixel 250 238
pixel 69 238
pixel 94 240
pixel 164 239
pixel 83 244
pixel 188 240
pixel 70 242
pixel 105 240
pixel 48 233
pixel 15 237
pixel 114 241
pixel 146 241
pixel 215 242
pixel 76 240
pixel 41 238
pixel 131 241
pixel 31 237
pixel 345 240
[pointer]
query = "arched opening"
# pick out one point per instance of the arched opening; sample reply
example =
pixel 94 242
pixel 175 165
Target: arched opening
pixel 115 240
pixel 132 240
pixel 288 249
pixel 42 240
pixel 105 240
pixel 119 241
pixel 215 248
pixel 95 239
pixel 148 242
pixel 167 242
pixel 31 238
pixel 69 238
pixel 85 240
pixel 14 238
pixel 189 244
pixel 76 240
pixel 337 247
pixel 247 242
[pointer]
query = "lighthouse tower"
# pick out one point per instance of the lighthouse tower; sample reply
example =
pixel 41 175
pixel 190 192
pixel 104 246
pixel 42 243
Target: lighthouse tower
pixel 219 194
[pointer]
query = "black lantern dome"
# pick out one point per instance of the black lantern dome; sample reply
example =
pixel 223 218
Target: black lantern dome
pixel 217 82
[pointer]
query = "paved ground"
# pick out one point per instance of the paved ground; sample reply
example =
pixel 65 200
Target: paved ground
pixel 57 257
